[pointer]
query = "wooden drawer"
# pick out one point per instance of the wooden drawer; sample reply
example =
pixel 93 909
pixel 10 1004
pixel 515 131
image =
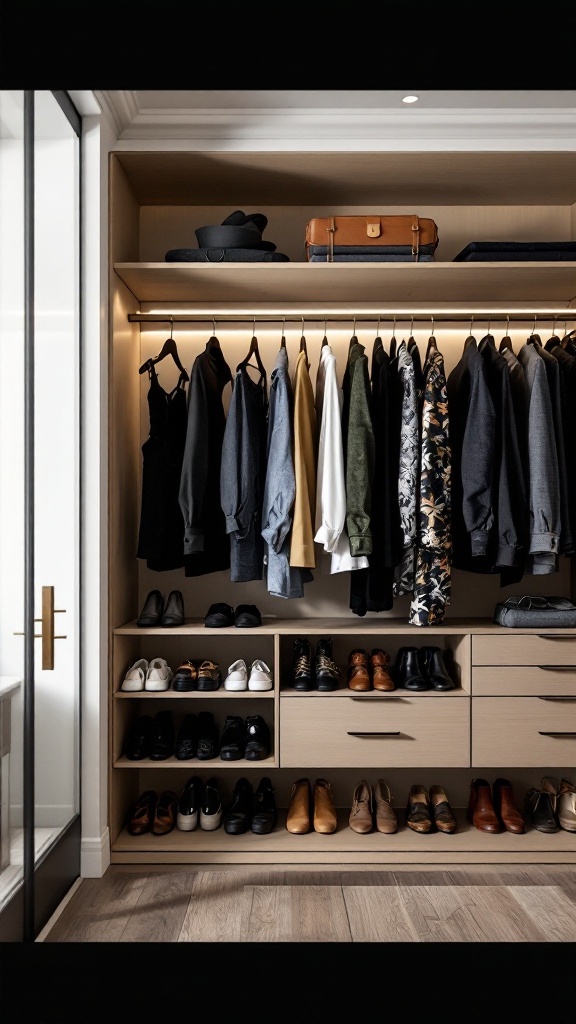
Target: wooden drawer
pixel 400 732
pixel 524 680
pixel 511 732
pixel 525 649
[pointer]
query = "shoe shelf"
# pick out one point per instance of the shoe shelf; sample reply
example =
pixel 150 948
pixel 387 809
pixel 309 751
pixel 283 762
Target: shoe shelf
pixel 220 694
pixel 352 626
pixel 195 766
pixel 466 845
pixel 398 694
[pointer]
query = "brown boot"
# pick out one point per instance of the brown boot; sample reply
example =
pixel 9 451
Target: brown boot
pixel 386 820
pixel 325 819
pixel 381 678
pixel 505 807
pixel 481 811
pixel 358 671
pixel 361 819
pixel 298 817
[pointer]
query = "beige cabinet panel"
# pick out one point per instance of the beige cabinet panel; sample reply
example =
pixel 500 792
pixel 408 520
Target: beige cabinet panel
pixel 511 732
pixel 525 649
pixel 524 680
pixel 407 732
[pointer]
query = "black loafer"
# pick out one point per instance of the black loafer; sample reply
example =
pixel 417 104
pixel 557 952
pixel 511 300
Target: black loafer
pixel 247 615
pixel 239 814
pixel 189 804
pixel 219 615
pixel 152 610
pixel 139 739
pixel 187 739
pixel 232 739
pixel 257 738
pixel 162 745
pixel 173 614
pixel 208 737
pixel 264 813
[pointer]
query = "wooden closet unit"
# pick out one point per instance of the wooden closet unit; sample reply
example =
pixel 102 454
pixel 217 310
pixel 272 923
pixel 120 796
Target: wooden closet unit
pixel 507 696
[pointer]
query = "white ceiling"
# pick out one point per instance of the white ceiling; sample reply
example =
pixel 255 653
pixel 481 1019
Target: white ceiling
pixel 167 99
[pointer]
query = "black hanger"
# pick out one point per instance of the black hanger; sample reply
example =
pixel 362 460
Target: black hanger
pixel 470 340
pixel 506 343
pixel 168 349
pixel 487 340
pixel 253 351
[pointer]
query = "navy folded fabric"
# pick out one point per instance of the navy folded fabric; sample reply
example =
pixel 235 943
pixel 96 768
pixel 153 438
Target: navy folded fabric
pixel 224 256
pixel 491 252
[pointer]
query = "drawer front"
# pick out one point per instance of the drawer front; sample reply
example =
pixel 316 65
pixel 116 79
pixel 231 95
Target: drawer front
pixel 404 732
pixel 525 649
pixel 524 681
pixel 523 732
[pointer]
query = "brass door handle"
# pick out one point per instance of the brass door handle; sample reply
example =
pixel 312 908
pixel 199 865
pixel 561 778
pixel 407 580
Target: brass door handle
pixel 47 635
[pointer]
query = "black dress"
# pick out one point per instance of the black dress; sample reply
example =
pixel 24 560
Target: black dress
pixel 161 534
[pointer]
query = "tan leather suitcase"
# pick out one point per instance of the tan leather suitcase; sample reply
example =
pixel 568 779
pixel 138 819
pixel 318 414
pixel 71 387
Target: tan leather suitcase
pixel 403 234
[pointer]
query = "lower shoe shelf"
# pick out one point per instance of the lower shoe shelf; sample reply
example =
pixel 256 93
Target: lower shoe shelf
pixel 466 845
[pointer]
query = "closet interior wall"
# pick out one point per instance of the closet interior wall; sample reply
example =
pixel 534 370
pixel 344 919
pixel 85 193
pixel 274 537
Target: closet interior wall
pixel 144 232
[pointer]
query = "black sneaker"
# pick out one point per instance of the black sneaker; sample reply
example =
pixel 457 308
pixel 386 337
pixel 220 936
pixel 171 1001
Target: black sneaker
pixel 232 739
pixel 208 737
pixel 257 738
pixel 187 739
pixel 326 670
pixel 264 814
pixel 239 815
pixel 301 666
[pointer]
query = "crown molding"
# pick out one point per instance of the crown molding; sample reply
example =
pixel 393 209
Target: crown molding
pixel 119 106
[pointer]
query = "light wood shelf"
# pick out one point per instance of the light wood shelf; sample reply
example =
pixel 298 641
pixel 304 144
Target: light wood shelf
pixel 379 283
pixel 466 845
pixel 366 626
pixel 194 694
pixel 197 765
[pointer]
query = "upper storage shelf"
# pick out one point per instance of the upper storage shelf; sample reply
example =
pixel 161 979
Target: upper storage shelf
pixel 378 283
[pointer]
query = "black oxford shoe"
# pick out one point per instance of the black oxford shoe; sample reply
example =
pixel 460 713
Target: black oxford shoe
pixel 187 739
pixel 232 739
pixel 162 746
pixel 208 737
pixel 264 813
pixel 139 739
pixel 257 738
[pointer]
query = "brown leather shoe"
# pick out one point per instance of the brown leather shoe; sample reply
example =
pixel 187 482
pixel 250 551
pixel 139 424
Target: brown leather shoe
pixel 418 810
pixel 141 814
pixel 481 811
pixel 165 813
pixel 385 817
pixel 358 671
pixel 325 819
pixel 505 806
pixel 441 811
pixel 381 678
pixel 361 819
pixel 298 817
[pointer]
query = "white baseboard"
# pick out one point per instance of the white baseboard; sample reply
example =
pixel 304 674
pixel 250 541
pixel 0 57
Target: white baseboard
pixel 95 856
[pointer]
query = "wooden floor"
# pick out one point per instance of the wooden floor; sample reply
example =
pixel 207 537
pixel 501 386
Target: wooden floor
pixel 504 903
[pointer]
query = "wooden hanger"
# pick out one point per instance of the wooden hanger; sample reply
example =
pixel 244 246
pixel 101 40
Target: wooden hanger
pixel 168 349
pixel 253 350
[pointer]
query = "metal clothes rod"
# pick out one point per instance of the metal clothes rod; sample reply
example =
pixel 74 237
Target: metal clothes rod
pixel 481 317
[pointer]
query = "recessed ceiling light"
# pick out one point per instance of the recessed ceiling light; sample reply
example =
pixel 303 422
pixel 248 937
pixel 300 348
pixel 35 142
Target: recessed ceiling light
pixel 409 99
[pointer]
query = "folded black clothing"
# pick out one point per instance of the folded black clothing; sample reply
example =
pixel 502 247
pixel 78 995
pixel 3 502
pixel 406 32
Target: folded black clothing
pixel 491 252
pixel 369 250
pixel 224 256
pixel 218 615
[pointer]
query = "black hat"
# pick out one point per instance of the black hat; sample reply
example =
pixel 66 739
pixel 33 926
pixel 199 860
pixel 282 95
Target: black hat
pixel 238 231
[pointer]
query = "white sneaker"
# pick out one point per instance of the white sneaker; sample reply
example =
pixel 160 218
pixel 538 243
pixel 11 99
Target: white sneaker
pixel 135 676
pixel 237 678
pixel 260 676
pixel 159 675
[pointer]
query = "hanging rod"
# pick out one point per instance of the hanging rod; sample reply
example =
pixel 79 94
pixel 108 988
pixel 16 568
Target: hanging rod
pixel 542 316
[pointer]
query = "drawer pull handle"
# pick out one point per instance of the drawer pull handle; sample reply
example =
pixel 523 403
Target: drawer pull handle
pixel 382 697
pixel 554 636
pixel 556 733
pixel 558 668
pixel 373 733
pixel 556 698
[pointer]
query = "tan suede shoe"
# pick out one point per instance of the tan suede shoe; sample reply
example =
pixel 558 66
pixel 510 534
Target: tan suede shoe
pixel 361 819
pixel 298 817
pixel 385 816
pixel 325 819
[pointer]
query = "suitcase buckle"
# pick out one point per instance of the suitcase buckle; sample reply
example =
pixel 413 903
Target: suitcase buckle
pixel 373 228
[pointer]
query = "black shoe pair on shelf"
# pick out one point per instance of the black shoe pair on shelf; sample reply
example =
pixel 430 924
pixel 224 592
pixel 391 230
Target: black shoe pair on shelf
pixel 157 613
pixel 323 674
pixel 422 668
pixel 244 616
pixel 150 738
pixel 249 739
